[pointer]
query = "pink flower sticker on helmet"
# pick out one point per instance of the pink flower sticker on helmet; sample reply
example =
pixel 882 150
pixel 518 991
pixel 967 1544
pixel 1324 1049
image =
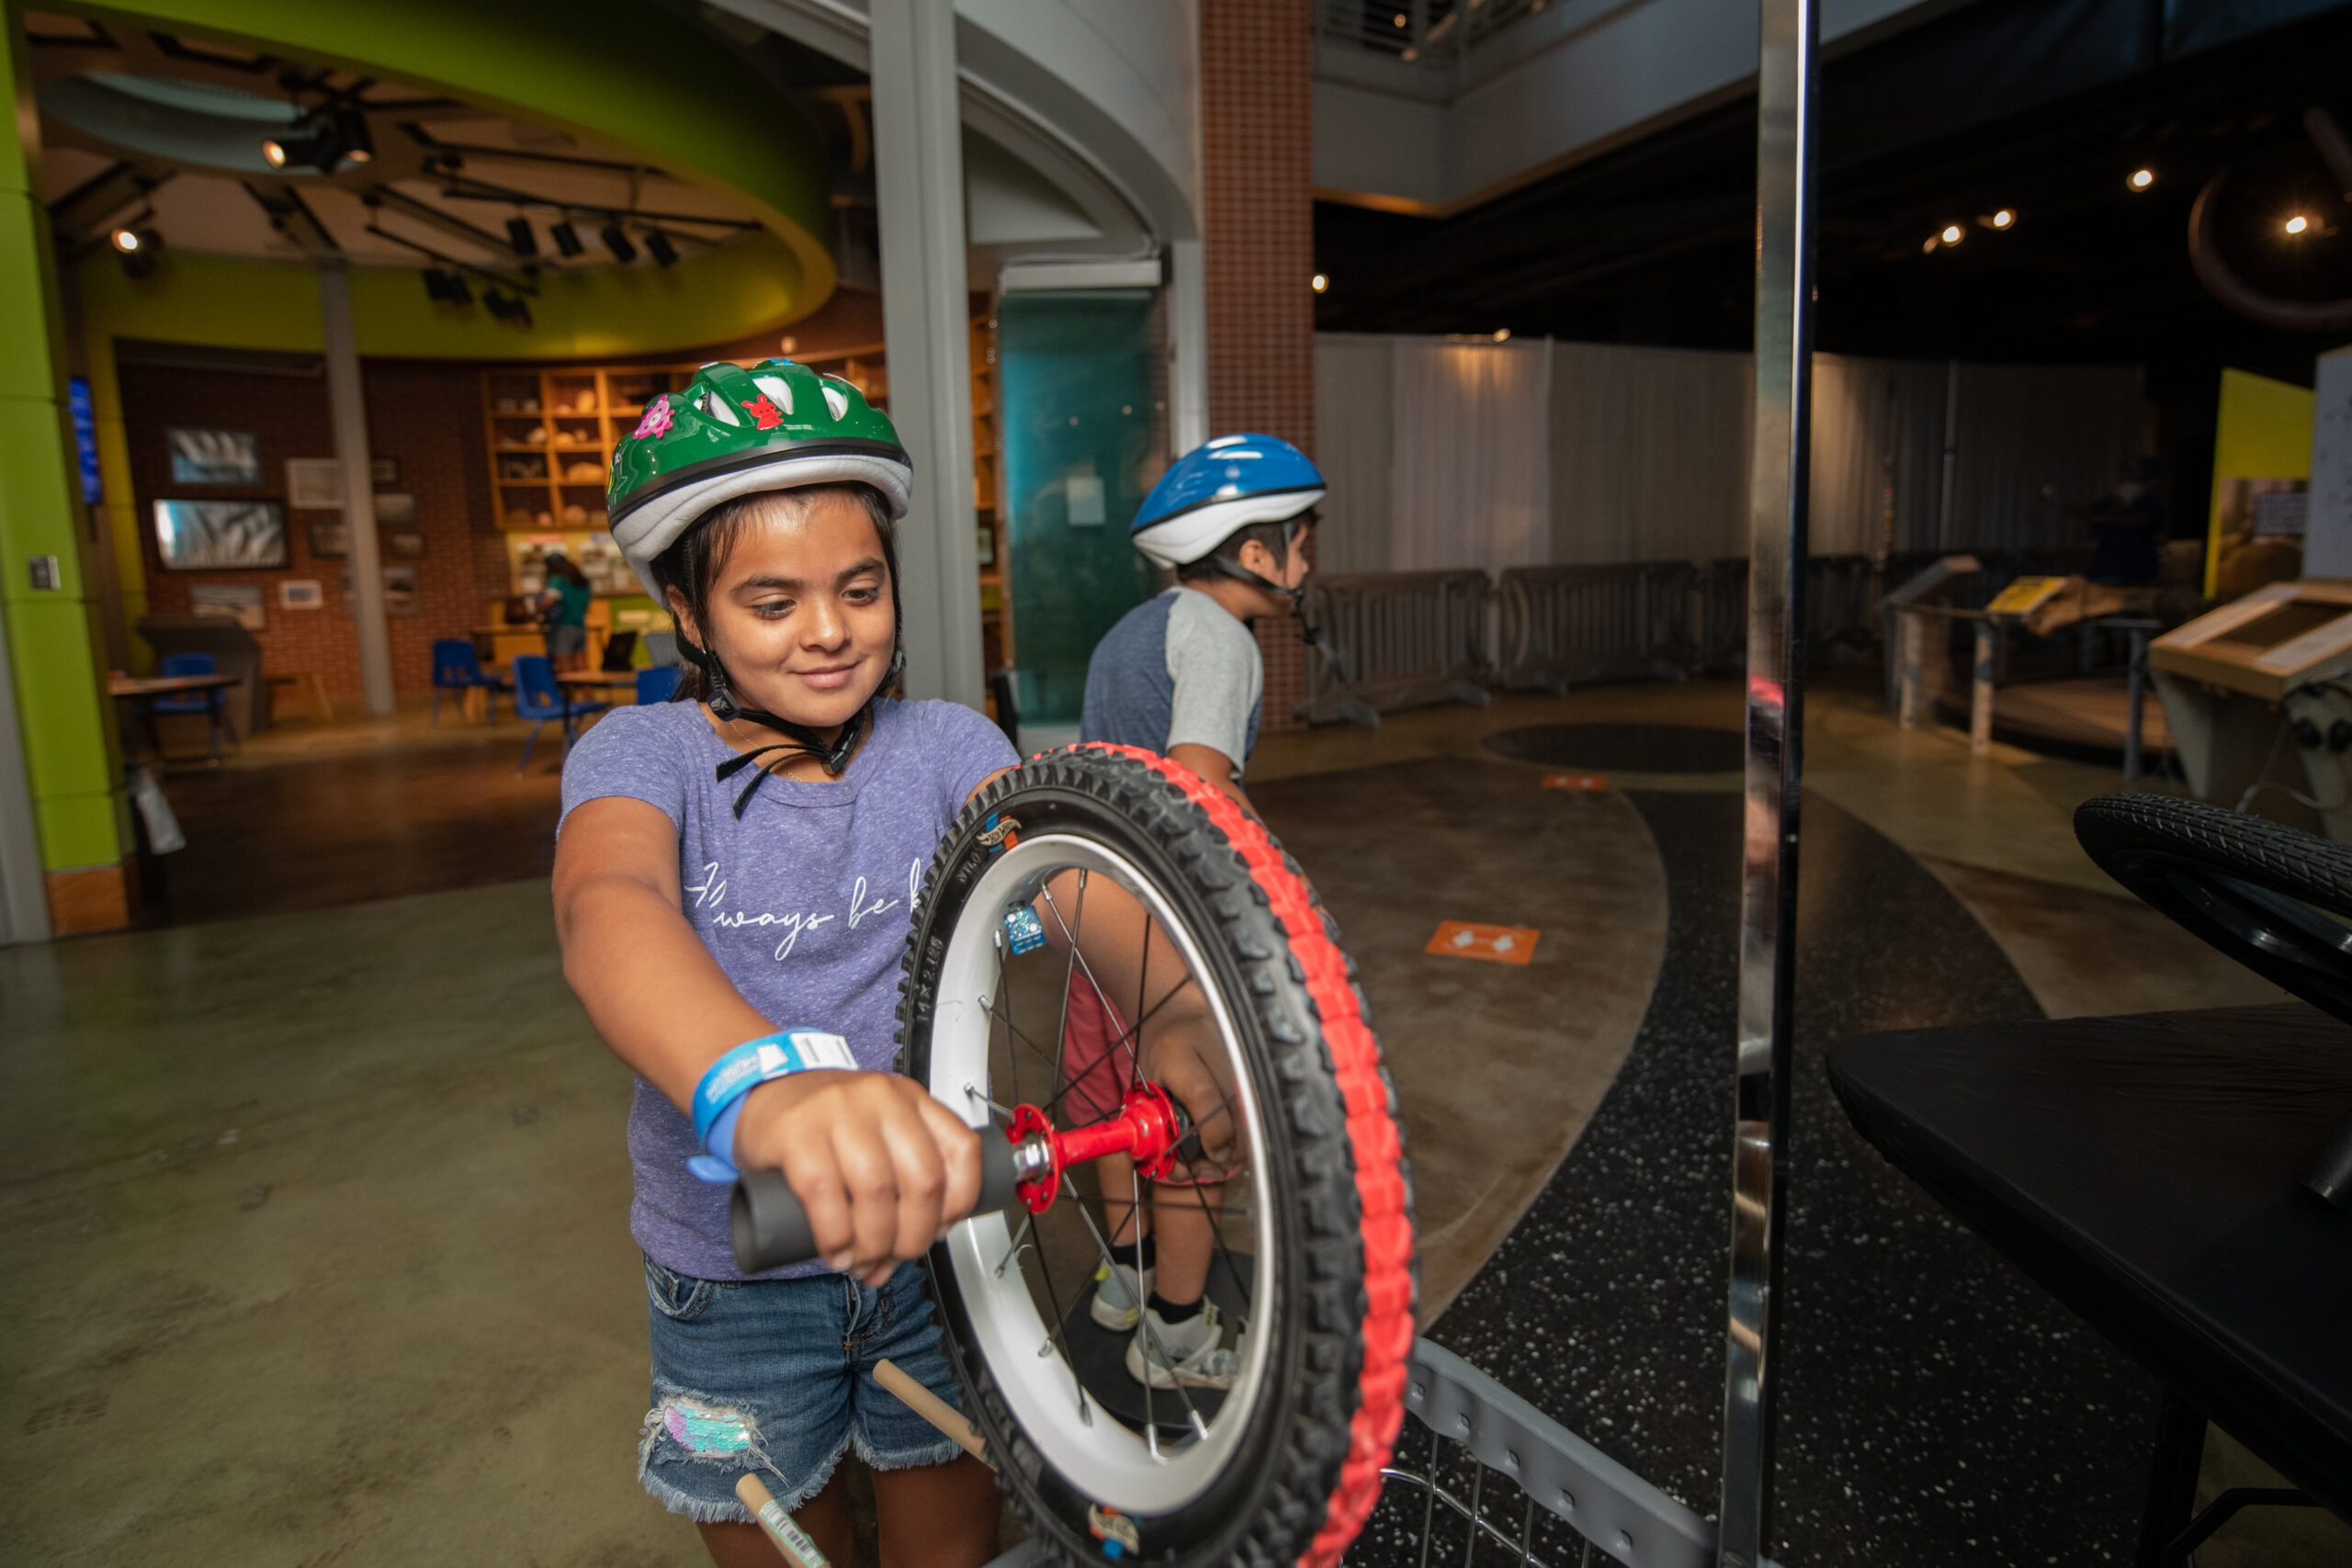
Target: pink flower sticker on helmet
pixel 655 422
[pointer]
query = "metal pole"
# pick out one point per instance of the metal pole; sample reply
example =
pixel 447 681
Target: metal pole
pixel 1787 67
pixel 2138 701
pixel 1980 696
pixel 926 321
pixel 349 406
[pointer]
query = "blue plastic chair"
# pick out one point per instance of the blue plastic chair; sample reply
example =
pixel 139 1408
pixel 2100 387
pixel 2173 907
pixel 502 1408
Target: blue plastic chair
pixel 657 684
pixel 187 664
pixel 456 667
pixel 538 697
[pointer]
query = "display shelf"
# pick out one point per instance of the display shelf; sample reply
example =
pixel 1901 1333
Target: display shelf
pixel 550 425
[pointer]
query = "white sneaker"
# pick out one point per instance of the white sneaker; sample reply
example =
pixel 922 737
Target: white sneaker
pixel 1119 1295
pixel 1193 1353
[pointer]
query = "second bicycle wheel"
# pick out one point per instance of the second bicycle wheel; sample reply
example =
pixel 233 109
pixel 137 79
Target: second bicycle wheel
pixel 1111 955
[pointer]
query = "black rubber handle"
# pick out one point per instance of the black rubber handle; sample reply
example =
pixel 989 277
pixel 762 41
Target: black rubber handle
pixel 770 1228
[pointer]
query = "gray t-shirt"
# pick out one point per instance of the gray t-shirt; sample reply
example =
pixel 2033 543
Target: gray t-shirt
pixel 805 902
pixel 1177 670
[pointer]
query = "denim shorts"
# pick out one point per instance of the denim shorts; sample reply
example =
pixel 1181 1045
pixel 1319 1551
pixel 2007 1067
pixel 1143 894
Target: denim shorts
pixel 562 640
pixel 776 1377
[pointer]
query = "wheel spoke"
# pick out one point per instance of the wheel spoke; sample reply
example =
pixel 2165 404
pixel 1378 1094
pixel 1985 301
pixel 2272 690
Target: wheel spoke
pixel 1143 1320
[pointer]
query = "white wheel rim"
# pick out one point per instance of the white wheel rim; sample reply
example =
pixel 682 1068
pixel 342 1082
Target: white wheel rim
pixel 1097 1455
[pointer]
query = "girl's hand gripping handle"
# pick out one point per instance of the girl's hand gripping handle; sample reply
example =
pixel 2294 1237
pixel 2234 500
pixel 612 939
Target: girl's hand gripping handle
pixel 770 1225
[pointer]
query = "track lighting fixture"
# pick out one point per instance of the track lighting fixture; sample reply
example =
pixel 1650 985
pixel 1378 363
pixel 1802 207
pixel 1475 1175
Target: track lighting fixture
pixel 136 246
pixel 448 288
pixel 566 238
pixel 658 246
pixel 323 140
pixel 520 237
pixel 616 240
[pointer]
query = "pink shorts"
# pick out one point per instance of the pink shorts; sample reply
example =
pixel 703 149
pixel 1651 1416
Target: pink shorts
pixel 1097 1062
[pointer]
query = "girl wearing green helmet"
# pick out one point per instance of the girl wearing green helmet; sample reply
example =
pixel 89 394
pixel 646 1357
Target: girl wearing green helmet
pixel 733 879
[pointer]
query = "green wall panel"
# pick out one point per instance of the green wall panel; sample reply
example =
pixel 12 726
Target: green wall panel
pixel 58 704
pixel 1076 375
pixel 36 508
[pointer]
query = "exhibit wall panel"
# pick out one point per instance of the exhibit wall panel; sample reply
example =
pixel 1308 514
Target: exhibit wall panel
pixel 445 564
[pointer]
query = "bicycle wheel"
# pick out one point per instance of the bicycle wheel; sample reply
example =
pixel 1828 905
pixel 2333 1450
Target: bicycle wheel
pixel 1239 1035
pixel 2275 898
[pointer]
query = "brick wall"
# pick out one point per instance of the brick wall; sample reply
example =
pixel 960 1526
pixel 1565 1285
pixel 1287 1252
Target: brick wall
pixel 428 416
pixel 1257 67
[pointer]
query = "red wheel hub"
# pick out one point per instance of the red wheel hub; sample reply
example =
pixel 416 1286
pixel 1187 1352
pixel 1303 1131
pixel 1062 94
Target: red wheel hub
pixel 1146 1130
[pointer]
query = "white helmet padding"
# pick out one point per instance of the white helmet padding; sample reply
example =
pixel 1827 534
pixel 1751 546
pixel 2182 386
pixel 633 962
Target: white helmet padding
pixel 663 520
pixel 1190 535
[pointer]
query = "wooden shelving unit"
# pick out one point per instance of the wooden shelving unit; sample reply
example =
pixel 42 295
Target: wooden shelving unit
pixel 551 434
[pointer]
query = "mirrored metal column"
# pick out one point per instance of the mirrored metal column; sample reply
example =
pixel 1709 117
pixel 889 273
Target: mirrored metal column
pixel 1786 72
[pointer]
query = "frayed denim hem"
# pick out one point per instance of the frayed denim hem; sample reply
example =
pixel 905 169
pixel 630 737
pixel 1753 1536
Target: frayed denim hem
pixel 944 1451
pixel 731 1511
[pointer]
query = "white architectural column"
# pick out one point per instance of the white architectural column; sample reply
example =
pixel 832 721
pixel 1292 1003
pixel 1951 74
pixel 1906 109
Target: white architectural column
pixel 349 407
pixel 919 180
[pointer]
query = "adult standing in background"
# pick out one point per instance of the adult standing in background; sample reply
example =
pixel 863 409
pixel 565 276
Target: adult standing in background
pixel 563 611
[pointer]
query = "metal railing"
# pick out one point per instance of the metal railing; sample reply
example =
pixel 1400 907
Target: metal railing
pixel 1386 640
pixel 1420 31
pixel 1488 1480
pixel 1564 625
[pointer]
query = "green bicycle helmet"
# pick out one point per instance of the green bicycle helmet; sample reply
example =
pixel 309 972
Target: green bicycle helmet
pixel 776 427
pixel 732 431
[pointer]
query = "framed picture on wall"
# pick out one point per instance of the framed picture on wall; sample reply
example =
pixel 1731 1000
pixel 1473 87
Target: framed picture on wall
pixel 302 593
pixel 404 543
pixel 400 592
pixel 315 484
pixel 220 535
pixel 214 456
pixel 239 602
pixel 382 471
pixel 331 541
pixel 396 510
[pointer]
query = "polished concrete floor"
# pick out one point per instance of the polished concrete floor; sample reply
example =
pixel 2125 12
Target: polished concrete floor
pixel 316 1196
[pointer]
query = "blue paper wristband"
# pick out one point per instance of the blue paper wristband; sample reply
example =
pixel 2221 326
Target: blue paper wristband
pixel 756 1062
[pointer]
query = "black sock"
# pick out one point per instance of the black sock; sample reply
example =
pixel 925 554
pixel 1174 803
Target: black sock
pixel 1137 1256
pixel 1170 1313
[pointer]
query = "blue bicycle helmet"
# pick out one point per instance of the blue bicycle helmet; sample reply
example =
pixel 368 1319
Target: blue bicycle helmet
pixel 1215 491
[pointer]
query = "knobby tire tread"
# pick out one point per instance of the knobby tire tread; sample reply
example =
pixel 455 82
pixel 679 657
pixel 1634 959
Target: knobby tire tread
pixel 1349 1184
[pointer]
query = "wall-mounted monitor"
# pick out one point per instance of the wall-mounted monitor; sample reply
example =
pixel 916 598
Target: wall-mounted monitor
pixel 220 535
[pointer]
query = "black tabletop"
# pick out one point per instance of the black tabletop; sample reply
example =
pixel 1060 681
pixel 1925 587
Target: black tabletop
pixel 2145 1171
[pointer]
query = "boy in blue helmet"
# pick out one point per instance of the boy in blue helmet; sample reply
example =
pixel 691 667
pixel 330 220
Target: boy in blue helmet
pixel 1180 675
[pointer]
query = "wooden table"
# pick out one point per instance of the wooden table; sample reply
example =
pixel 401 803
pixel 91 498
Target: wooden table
pixel 141 695
pixel 610 679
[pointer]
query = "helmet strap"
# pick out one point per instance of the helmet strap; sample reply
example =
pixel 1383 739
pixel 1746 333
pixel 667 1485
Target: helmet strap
pixel 799 740
pixel 1227 566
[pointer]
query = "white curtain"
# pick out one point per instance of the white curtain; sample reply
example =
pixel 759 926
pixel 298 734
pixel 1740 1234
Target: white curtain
pixel 1649 453
pixel 1441 453
pixel 1471 455
pixel 1351 448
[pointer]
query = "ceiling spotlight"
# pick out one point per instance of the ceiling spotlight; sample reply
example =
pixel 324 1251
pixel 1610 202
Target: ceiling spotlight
pixel 136 246
pixel 1320 283
pixel 351 136
pixel 2298 223
pixel 566 238
pixel 1402 20
pixel 2141 179
pixel 616 240
pixel 449 287
pixel 515 312
pixel 2004 219
pixel 520 238
pixel 1953 234
pixel 1502 334
pixel 658 246
pixel 1928 246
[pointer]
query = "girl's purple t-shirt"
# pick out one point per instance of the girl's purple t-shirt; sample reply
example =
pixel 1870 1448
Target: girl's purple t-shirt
pixel 805 903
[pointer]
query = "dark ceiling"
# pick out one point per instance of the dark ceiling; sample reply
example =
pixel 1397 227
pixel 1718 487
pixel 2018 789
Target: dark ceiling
pixel 2040 106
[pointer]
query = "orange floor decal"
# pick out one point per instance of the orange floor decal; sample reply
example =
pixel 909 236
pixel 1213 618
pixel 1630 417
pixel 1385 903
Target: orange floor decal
pixel 1495 944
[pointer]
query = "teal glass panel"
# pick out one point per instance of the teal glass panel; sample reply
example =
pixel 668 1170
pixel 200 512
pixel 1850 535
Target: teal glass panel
pixel 1080 446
